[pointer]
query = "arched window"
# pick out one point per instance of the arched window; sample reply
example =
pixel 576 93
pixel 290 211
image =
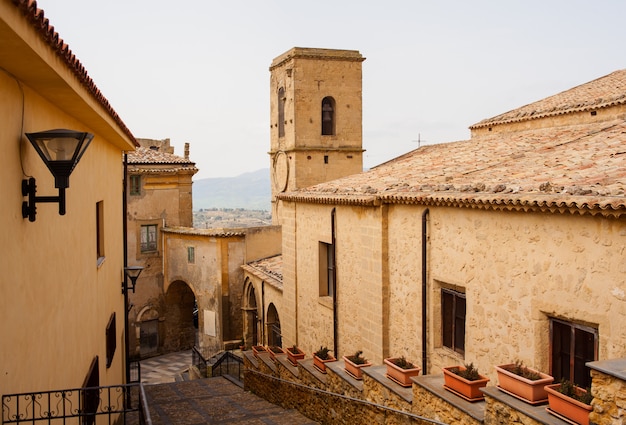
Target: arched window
pixel 328 116
pixel 281 112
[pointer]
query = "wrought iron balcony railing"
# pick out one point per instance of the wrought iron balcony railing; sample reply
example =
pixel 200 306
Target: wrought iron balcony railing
pixel 78 405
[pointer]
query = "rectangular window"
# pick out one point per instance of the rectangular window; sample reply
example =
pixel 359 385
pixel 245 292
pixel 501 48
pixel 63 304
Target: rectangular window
pixel 100 230
pixel 453 320
pixel 326 269
pixel 111 340
pixel 572 345
pixel 191 255
pixel 135 185
pixel 149 238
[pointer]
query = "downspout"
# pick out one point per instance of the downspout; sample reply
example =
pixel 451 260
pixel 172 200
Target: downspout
pixel 335 291
pixel 295 277
pixel 424 288
pixel 125 251
pixel 263 324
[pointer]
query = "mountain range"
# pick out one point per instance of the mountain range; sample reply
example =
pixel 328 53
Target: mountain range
pixel 250 191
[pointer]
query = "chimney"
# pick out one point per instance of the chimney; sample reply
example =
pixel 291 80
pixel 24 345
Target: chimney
pixel 187 150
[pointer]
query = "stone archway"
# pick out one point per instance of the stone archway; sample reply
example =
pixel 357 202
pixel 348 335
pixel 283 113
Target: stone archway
pixel 274 335
pixel 147 331
pixel 179 332
pixel 250 316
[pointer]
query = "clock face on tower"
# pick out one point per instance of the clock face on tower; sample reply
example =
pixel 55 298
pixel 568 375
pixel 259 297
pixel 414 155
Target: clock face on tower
pixel 281 171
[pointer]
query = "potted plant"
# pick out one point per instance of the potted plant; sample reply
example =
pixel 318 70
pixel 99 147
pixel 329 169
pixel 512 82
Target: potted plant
pixel 400 370
pixel 465 381
pixel 294 354
pixel 274 351
pixel 523 382
pixel 257 349
pixel 355 363
pixel 570 401
pixel 321 357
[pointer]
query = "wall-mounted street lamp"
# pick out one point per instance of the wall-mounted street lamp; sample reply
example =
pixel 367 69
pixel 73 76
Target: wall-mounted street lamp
pixel 60 150
pixel 132 273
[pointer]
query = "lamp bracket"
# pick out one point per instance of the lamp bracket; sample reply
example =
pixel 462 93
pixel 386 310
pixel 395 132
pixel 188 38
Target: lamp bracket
pixel 29 208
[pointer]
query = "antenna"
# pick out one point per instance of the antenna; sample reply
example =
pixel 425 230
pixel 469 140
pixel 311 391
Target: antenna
pixel 419 140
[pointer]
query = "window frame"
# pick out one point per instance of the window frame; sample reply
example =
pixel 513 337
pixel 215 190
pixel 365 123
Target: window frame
pixel 135 184
pixel 150 246
pixel 575 365
pixel 327 276
pixel 452 333
pixel 100 252
pixel 111 340
pixel 191 255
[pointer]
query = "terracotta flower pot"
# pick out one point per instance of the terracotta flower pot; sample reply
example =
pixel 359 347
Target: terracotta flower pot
pixel 256 349
pixel 321 364
pixel 354 369
pixel 400 375
pixel 274 351
pixel 568 407
pixel 530 391
pixel 295 357
pixel 467 389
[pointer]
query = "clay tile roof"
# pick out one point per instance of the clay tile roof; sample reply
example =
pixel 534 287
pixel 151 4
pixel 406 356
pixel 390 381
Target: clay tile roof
pixel 603 92
pixel 212 233
pixel 42 25
pixel 268 269
pixel 579 167
pixel 143 155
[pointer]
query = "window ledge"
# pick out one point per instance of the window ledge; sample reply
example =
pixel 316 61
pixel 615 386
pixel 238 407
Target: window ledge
pixel 326 301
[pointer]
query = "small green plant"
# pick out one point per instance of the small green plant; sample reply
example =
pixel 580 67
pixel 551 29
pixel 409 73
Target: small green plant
pixel 569 389
pixel 403 363
pixel 519 369
pixel 357 358
pixel 295 350
pixel 276 349
pixel 323 353
pixel 470 372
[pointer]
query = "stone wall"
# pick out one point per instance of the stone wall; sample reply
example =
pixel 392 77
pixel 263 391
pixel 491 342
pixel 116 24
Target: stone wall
pixel 321 405
pixel 609 391
pixel 517 270
pixel 336 397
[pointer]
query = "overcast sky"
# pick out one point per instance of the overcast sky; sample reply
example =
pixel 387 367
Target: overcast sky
pixel 197 71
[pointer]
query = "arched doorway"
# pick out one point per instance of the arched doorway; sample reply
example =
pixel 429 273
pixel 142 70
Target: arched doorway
pixel 180 332
pixel 274 335
pixel 250 317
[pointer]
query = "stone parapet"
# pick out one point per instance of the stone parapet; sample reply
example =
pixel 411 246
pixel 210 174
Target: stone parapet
pixel 609 392
pixel 502 409
pixel 338 398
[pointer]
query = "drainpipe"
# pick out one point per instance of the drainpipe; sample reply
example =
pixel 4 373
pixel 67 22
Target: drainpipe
pixel 263 312
pixel 125 251
pixel 335 291
pixel 424 289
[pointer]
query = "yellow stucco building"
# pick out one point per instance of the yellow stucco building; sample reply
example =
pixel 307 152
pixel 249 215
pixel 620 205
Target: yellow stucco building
pixel 61 305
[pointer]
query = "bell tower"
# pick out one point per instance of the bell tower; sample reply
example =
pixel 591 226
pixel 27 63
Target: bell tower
pixel 315 118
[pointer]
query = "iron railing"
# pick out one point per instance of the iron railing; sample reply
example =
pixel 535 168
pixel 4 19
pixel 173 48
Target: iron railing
pixel 64 406
pixel 199 361
pixel 228 365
